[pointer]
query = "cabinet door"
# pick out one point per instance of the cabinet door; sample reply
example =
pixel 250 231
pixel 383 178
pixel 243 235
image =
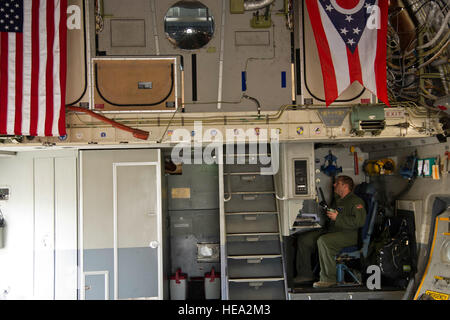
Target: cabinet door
pixel 121 212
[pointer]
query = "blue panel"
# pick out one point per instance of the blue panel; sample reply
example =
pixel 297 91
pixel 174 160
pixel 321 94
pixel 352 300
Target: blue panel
pixel 99 260
pixel 138 272
pixel 96 284
pixel 283 79
pixel 244 81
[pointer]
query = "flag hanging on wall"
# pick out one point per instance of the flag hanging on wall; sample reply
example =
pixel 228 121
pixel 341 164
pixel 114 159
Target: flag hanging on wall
pixel 351 41
pixel 33 67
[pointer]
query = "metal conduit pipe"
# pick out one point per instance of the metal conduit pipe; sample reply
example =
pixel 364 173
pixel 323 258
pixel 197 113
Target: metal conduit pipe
pixel 412 106
pixel 256 4
pixel 438 34
pixel 402 22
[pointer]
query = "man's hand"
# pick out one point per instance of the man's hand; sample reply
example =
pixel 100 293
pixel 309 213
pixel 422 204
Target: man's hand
pixel 332 215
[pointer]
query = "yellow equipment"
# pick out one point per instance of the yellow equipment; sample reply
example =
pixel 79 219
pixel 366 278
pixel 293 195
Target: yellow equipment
pixel 379 167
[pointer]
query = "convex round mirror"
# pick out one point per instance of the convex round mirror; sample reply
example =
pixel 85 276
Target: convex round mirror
pixel 189 25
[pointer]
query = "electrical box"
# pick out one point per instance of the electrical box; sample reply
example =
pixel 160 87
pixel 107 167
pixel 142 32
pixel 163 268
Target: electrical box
pixel 296 172
pixel 300 177
pixel 367 118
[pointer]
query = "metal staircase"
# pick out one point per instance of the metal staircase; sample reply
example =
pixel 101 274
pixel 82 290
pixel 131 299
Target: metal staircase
pixel 254 249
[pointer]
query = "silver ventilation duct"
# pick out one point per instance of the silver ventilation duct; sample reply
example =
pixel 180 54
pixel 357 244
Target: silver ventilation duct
pixel 256 4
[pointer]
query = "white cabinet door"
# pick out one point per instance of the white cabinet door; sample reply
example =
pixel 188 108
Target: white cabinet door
pixel 121 219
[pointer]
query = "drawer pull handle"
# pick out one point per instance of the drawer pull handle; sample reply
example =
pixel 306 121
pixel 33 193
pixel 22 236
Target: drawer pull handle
pixel 256 285
pixel 257 260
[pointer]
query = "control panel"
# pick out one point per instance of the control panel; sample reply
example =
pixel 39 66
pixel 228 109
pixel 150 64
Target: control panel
pixel 301 177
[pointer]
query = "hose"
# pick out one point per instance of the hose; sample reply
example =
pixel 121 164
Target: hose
pixel 258 106
pixel 256 4
pixel 140 134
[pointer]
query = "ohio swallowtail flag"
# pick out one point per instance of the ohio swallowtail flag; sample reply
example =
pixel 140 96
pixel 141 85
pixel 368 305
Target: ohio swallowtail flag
pixel 33 67
pixel 351 41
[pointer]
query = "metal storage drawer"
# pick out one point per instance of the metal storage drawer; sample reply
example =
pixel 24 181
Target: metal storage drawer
pixel 254 267
pixel 246 182
pixel 251 223
pixel 273 290
pixel 251 203
pixel 233 168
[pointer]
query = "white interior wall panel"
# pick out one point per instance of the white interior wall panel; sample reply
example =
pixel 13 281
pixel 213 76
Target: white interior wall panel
pixel 66 228
pixel 44 229
pixel 16 257
pixel 39 257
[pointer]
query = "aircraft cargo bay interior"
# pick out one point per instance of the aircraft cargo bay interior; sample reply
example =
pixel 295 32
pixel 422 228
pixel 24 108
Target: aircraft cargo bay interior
pixel 224 150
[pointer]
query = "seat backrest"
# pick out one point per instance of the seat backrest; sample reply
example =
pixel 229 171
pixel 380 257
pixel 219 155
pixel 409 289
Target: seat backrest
pixel 368 193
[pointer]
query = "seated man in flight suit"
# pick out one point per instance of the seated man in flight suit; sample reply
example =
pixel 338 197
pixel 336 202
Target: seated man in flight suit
pixel 341 231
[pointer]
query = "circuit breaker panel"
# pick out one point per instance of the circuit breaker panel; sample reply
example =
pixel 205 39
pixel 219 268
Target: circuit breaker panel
pixel 296 174
pixel 301 177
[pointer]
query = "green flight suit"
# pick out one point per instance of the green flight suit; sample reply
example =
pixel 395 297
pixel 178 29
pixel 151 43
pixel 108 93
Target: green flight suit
pixel 330 240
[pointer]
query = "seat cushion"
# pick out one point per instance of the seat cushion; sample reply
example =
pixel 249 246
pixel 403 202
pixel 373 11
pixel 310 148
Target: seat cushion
pixel 349 249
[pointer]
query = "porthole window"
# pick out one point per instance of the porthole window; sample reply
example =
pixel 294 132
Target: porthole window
pixel 189 25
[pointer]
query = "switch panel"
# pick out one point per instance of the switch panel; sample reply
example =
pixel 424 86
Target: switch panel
pixel 301 177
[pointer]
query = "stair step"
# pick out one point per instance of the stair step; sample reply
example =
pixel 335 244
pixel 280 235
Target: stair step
pixel 305 220
pixel 254 173
pixel 255 256
pixel 252 234
pixel 269 279
pixel 234 155
pixel 252 192
pixel 250 213
pixel 312 226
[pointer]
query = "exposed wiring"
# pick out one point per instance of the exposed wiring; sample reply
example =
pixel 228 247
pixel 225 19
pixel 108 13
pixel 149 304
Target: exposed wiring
pixel 438 34
pixel 414 75
pixel 435 56
pixel 167 127
pixel 267 58
pixel 258 105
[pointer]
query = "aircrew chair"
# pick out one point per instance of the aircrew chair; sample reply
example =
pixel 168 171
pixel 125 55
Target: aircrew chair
pixel 368 193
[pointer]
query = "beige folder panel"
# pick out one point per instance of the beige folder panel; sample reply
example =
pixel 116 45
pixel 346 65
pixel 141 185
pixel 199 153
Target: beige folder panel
pixel 134 84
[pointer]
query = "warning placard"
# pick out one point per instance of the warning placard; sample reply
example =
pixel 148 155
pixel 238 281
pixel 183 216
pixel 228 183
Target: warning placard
pixel 437 295
pixel 181 193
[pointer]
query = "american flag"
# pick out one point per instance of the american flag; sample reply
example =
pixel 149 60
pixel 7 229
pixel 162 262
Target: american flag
pixel 351 44
pixel 33 67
